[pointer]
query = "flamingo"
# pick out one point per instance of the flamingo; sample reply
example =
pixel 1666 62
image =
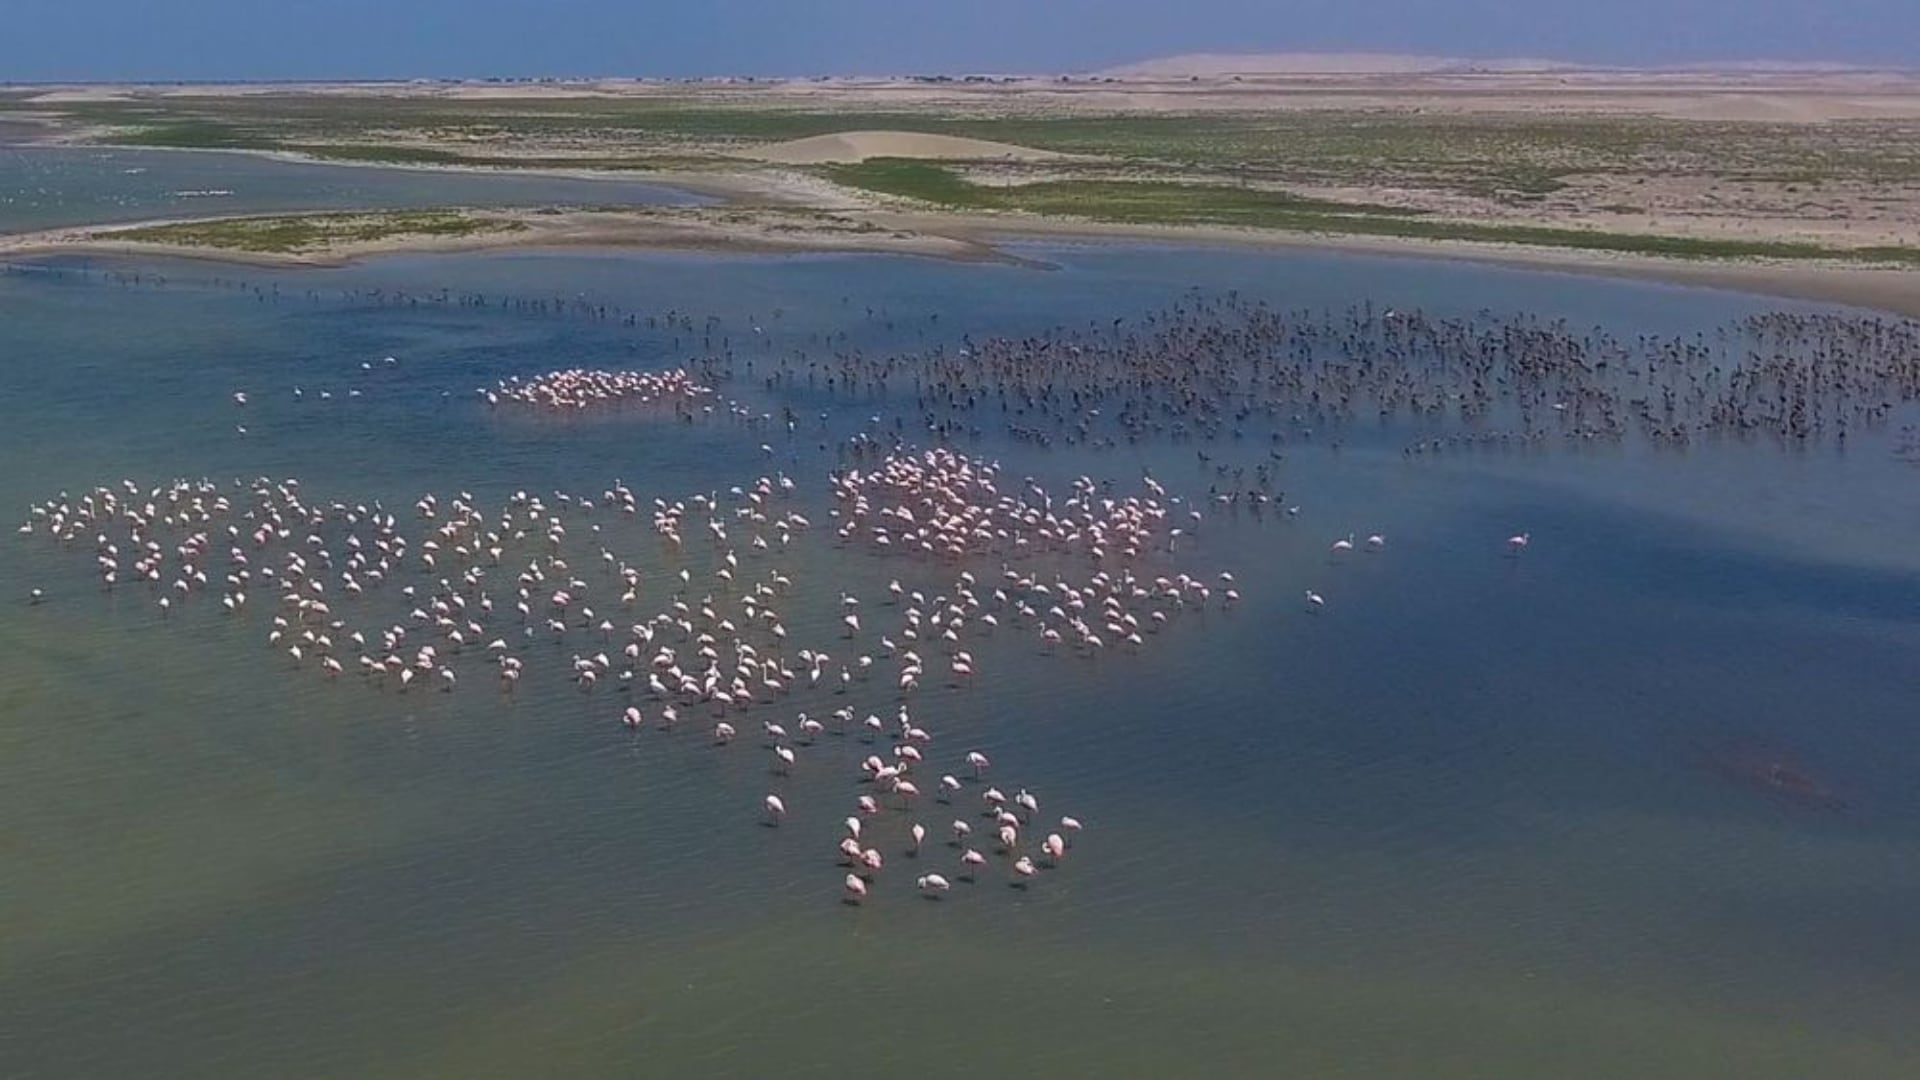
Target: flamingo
pixel 1315 602
pixel 776 809
pixel 1026 801
pixel 856 889
pixel 1518 543
pixel 932 885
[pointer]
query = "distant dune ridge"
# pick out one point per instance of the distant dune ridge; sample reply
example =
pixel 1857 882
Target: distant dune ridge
pixel 1225 65
pixel 855 146
pixel 1221 65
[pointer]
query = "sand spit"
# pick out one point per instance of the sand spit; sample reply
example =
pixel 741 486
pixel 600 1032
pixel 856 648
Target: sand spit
pixel 744 230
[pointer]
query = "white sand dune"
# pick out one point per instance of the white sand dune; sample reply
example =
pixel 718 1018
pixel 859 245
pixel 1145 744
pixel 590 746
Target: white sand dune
pixel 853 146
pixel 1220 65
pixel 78 95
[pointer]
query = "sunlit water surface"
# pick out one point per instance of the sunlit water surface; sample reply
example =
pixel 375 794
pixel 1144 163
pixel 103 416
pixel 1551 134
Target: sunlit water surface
pixel 1473 820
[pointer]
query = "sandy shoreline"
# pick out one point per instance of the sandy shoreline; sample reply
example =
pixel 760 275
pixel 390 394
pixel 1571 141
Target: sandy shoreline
pixel 776 229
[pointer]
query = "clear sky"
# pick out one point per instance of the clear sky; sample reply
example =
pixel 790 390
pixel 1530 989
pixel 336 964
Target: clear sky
pixel 42 40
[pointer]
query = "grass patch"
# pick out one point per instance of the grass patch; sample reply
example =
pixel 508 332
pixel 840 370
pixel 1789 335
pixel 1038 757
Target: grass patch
pixel 297 233
pixel 1142 201
pixel 911 179
pixel 194 135
pixel 1163 203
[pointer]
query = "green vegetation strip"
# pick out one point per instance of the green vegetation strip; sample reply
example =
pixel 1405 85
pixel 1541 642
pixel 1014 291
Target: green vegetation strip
pixel 298 233
pixel 1506 156
pixel 1167 203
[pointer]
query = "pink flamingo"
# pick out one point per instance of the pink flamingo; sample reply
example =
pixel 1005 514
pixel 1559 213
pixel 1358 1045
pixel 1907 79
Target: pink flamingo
pixel 1054 845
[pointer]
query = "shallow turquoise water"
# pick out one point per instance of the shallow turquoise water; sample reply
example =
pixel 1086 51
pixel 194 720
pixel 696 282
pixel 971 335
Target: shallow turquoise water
pixel 1465 823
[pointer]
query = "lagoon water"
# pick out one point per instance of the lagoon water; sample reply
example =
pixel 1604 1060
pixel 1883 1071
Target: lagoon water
pixel 50 187
pixel 1482 817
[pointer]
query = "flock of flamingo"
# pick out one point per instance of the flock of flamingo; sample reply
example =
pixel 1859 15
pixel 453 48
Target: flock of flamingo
pixel 578 389
pixel 696 634
pixel 537 578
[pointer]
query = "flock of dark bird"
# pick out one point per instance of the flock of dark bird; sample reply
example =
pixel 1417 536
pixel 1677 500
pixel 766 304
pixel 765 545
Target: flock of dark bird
pixel 1226 368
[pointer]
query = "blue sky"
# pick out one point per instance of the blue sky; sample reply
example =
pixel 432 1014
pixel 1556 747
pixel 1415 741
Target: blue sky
pixel 296 39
